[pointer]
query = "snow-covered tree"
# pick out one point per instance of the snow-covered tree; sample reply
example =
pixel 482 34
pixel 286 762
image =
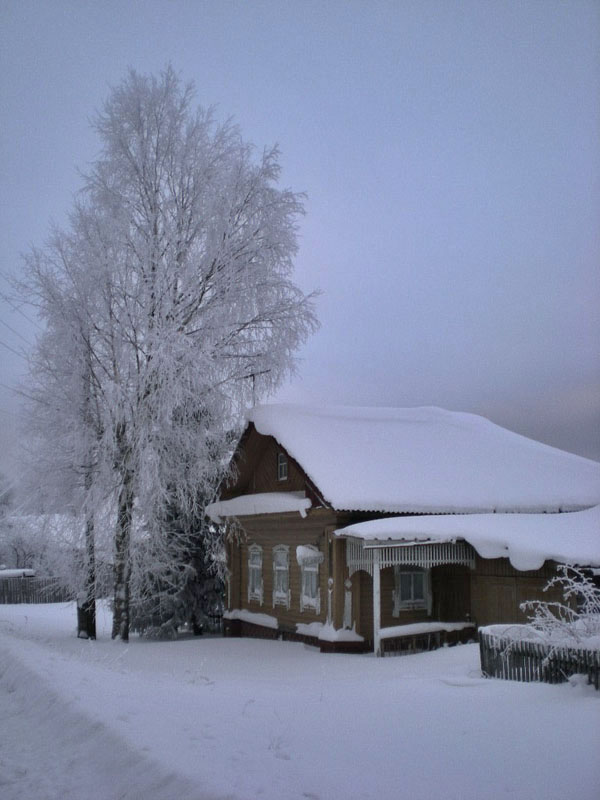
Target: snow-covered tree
pixel 64 417
pixel 178 262
pixel 20 546
pixel 7 494
pixel 47 544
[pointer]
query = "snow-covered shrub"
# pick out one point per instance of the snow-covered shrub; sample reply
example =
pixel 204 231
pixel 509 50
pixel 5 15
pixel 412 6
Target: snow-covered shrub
pixel 180 583
pixel 574 621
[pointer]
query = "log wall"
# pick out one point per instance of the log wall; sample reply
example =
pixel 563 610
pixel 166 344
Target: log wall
pixel 291 529
pixel 498 589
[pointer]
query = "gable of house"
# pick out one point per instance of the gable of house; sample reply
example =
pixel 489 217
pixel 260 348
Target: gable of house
pixel 256 468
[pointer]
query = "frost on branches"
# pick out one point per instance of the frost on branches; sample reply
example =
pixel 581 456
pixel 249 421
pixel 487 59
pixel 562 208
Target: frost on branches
pixel 169 305
pixel 575 622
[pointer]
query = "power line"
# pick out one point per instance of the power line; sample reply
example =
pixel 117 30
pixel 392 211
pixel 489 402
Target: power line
pixel 20 335
pixel 17 391
pixel 12 350
pixel 20 311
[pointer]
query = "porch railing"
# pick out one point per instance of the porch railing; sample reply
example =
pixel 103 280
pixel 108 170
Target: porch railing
pixel 406 639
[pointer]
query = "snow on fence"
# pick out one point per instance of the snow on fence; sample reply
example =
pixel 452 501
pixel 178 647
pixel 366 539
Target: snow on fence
pixel 33 590
pixel 510 658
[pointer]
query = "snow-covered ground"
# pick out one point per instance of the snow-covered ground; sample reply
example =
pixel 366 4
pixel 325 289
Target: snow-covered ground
pixel 236 718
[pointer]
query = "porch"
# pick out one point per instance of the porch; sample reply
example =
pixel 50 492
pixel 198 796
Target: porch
pixel 425 583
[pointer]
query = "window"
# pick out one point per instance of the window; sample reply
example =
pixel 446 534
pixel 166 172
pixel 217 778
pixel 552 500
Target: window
pixel 255 579
pixel 411 589
pixel 281 576
pixel 282 467
pixel 309 558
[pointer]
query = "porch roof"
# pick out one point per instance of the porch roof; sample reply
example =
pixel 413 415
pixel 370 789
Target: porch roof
pixel 260 503
pixel 526 539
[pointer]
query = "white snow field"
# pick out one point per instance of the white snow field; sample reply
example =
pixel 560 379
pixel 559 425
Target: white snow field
pixel 209 717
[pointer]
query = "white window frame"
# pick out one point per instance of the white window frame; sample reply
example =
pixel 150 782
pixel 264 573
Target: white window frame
pixel 309 568
pixel 281 566
pixel 255 573
pixel 282 467
pixel 414 603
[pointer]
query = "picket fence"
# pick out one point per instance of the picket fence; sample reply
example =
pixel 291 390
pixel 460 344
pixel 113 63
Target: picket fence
pixel 33 590
pixel 518 660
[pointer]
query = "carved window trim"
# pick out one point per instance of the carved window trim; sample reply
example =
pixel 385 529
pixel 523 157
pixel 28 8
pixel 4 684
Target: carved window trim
pixel 310 588
pixel 281 575
pixel 255 576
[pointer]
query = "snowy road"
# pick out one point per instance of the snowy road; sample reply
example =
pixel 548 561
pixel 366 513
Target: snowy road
pixel 49 751
pixel 215 718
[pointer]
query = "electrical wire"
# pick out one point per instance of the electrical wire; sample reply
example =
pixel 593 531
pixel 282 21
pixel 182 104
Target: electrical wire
pixel 12 350
pixel 20 335
pixel 20 311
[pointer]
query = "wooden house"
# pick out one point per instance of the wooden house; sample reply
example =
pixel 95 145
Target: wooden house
pixel 359 529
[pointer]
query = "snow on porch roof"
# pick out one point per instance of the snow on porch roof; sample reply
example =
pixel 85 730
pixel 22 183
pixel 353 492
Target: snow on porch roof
pixel 261 503
pixel 426 460
pixel 526 539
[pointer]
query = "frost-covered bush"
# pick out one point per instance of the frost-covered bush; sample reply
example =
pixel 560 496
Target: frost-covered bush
pixel 574 621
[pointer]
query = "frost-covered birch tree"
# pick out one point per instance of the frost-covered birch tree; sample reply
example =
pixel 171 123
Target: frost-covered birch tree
pixel 63 412
pixel 180 256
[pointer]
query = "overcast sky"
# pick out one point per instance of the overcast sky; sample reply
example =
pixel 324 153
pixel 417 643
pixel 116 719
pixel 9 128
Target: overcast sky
pixel 450 153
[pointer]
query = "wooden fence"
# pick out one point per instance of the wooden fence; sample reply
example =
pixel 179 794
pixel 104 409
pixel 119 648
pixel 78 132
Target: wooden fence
pixel 503 657
pixel 33 590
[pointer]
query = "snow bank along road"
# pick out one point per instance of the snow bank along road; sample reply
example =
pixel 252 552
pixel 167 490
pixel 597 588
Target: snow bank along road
pixel 243 719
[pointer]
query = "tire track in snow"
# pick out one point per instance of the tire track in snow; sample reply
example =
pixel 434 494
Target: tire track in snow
pixel 51 751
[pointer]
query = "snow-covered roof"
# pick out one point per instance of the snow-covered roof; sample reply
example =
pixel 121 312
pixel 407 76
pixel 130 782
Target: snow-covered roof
pixel 17 573
pixel 526 539
pixel 261 503
pixel 426 460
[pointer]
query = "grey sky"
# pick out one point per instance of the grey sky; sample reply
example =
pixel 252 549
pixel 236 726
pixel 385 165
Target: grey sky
pixel 450 152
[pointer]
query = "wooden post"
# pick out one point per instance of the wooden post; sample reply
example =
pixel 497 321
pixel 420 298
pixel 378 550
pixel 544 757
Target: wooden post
pixel 347 620
pixel 329 600
pixel 376 604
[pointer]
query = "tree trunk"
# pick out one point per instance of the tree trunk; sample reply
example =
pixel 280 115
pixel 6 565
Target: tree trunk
pixel 122 570
pixel 86 610
pixel 86 606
